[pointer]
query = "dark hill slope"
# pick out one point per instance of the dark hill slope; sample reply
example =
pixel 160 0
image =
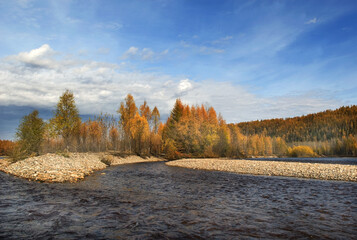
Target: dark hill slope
pixel 312 127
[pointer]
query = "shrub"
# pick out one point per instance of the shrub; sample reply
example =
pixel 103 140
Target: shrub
pixel 64 153
pixel 17 153
pixel 301 151
pixel 107 159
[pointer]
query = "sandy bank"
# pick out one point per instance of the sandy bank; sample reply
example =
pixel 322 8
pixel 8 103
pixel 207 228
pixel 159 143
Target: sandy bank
pixel 57 168
pixel 271 168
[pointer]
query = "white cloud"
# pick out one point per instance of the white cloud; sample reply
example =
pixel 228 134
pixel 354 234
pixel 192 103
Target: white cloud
pixel 143 54
pixel 184 85
pixel 131 52
pixel 147 54
pixel 312 21
pixel 41 57
pixel 100 87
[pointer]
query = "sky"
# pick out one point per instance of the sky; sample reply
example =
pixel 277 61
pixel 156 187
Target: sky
pixel 250 60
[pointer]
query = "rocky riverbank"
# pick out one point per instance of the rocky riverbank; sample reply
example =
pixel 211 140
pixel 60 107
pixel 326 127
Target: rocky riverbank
pixel 114 160
pixel 271 168
pixel 59 168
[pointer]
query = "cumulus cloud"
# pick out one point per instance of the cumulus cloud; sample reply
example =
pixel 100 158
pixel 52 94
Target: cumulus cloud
pixel 143 54
pixel 184 85
pixel 100 87
pixel 41 57
pixel 131 52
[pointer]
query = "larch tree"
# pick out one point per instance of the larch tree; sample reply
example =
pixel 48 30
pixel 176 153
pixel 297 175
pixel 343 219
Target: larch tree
pixel 95 135
pixel 155 120
pixel 140 133
pixel 67 120
pixel 127 112
pixel 145 111
pixel 114 137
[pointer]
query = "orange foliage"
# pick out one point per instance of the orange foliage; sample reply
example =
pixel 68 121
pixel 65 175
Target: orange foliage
pixel 6 147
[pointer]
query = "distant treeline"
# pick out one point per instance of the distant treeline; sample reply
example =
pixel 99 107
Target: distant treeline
pixel 322 126
pixel 328 133
pixel 190 131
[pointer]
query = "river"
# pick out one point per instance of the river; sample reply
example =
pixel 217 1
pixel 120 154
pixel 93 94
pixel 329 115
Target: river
pixel 155 201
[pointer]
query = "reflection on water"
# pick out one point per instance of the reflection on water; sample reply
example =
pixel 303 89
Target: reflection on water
pixel 152 200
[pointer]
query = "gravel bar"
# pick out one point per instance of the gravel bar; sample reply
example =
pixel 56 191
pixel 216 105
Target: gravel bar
pixel 57 168
pixel 270 168
pixel 131 159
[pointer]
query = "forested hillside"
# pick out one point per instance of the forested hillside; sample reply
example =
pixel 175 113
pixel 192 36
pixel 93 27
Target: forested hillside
pixel 322 126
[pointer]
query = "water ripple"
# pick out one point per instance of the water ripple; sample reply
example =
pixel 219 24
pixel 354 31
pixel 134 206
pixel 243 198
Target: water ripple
pixel 154 201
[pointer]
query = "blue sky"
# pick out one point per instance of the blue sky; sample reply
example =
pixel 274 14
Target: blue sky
pixel 248 59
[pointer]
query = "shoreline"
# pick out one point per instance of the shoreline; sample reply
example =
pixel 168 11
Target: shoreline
pixel 336 172
pixel 55 168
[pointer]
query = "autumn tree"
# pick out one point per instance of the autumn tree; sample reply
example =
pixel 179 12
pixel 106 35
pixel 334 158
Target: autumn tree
pixel 156 140
pixel 30 133
pixel 223 144
pixel 195 131
pixel 170 130
pixel 83 133
pixel 279 146
pixel 177 111
pixel 114 137
pixel 127 112
pixel 317 127
pixel 140 133
pixel 6 147
pixel 95 135
pixel 155 114
pixel 145 111
pixel 67 120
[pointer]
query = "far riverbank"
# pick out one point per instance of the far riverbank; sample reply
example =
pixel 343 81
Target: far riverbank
pixel 320 171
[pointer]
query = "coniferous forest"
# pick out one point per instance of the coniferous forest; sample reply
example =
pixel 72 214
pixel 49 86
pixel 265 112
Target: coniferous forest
pixel 190 131
pixel 328 133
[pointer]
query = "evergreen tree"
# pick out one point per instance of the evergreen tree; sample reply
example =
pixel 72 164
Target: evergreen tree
pixel 31 133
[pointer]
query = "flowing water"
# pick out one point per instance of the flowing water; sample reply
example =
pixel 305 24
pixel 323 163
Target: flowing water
pixel 155 201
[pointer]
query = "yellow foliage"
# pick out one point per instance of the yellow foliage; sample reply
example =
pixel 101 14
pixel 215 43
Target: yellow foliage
pixel 301 151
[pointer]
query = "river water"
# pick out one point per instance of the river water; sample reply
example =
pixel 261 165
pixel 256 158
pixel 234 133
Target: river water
pixel 155 201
